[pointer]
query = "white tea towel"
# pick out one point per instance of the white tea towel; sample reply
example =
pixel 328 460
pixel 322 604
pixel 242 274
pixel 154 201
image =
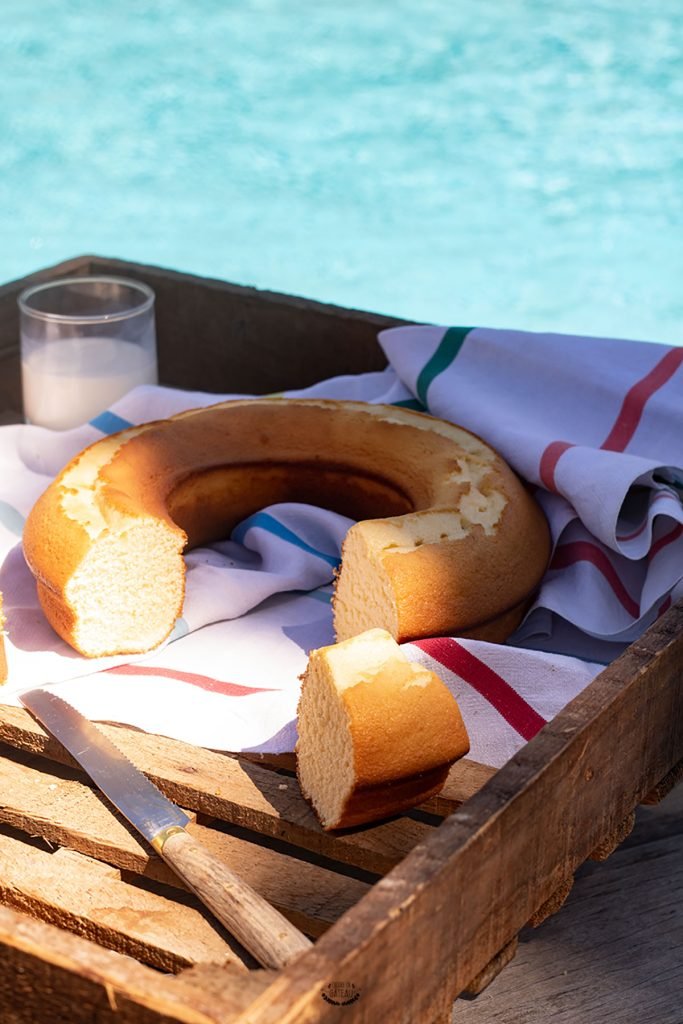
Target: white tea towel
pixel 594 425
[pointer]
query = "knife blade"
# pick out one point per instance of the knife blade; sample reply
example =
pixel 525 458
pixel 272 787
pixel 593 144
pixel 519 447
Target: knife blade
pixel 258 926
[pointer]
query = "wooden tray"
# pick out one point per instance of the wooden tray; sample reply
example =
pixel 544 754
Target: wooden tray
pixel 407 914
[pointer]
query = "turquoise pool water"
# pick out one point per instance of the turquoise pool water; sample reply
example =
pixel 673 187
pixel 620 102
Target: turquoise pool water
pixel 514 163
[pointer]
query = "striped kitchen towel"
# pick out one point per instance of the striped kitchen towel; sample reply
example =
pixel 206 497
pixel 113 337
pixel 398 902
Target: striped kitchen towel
pixel 594 425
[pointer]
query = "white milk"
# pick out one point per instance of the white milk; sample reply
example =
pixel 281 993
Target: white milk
pixel 70 381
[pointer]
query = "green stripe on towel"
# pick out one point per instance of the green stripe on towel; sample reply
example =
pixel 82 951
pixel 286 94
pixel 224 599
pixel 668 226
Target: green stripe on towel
pixel 410 403
pixel 450 345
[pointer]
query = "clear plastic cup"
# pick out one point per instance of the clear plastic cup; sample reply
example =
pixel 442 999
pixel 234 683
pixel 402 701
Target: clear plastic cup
pixel 85 342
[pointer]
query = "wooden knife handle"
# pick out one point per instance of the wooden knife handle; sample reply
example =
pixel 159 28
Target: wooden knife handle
pixel 260 928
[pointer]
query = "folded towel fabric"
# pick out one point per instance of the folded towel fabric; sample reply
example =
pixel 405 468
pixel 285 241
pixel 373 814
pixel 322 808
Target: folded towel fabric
pixel 594 425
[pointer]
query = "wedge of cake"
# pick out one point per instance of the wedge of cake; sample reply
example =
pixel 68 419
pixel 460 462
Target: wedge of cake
pixel 377 733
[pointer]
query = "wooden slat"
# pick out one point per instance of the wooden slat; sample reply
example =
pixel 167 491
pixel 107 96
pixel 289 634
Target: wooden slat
pixel 86 897
pixel 465 778
pixel 247 795
pixel 48 976
pixel 43 800
pixel 462 895
pixel 276 341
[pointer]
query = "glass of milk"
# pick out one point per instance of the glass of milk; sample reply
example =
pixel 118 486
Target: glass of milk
pixel 85 342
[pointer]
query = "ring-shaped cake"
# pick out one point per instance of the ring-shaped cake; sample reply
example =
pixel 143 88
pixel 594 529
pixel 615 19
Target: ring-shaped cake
pixel 448 541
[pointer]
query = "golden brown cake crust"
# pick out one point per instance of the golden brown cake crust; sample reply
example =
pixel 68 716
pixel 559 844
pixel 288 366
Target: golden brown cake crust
pixel 400 731
pixel 403 730
pixel 375 803
pixel 200 473
pixel 54 544
pixel 470 582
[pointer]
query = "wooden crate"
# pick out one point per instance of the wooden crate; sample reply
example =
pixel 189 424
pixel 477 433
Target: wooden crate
pixel 406 914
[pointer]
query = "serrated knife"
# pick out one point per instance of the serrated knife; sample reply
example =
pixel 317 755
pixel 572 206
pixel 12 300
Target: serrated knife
pixel 259 927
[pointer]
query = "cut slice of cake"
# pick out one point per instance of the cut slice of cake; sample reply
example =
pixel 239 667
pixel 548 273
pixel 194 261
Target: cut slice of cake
pixel 377 733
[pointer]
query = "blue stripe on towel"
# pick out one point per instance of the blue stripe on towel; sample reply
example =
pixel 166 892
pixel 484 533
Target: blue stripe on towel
pixel 180 629
pixel 109 423
pixel 11 518
pixel 269 523
pixel 320 594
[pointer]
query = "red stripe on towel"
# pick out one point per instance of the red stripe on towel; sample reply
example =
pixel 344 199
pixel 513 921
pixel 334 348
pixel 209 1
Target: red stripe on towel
pixel 203 682
pixel 636 398
pixel 583 551
pixel 668 538
pixel 549 460
pixel 627 420
pixel 636 533
pixel 524 719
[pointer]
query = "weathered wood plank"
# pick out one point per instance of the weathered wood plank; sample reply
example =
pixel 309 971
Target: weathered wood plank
pixel 276 341
pixel 222 787
pixel 261 326
pixel 465 778
pixel 48 976
pixel 42 800
pixel 459 897
pixel 657 821
pixel 85 897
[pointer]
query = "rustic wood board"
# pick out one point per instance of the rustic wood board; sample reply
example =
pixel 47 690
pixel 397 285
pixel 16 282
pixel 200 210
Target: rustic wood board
pixel 42 800
pixel 47 799
pixel 252 796
pixel 48 976
pixel 54 800
pixel 89 898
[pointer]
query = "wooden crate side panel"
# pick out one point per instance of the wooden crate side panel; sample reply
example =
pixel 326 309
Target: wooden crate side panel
pixel 220 337
pixel 215 336
pixel 456 900
pixel 47 975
